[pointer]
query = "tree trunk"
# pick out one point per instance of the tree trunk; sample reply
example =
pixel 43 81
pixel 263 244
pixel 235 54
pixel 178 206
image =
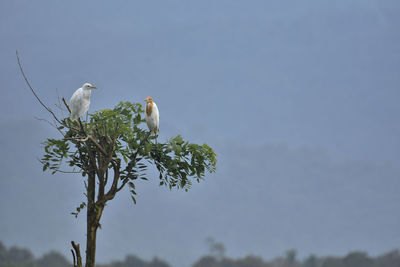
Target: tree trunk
pixel 91 245
pixel 93 223
pixel 94 210
pixel 91 220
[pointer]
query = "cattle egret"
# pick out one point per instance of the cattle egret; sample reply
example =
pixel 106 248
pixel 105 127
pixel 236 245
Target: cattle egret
pixel 152 116
pixel 80 101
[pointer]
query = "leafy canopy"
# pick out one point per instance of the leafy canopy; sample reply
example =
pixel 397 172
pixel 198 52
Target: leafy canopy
pixel 113 140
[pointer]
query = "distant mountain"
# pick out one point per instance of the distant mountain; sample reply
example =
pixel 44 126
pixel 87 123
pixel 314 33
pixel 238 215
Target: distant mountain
pixel 23 257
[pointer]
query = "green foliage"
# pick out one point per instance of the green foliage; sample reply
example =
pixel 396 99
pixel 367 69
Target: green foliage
pixel 56 151
pixel 78 209
pixel 116 137
pixel 176 160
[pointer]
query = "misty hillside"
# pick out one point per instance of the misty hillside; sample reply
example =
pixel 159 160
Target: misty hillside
pixel 23 257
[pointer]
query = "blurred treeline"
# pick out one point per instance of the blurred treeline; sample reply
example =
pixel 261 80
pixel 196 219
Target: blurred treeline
pixel 22 257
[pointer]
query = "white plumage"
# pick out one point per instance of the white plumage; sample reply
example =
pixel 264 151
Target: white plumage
pixel 152 116
pixel 80 101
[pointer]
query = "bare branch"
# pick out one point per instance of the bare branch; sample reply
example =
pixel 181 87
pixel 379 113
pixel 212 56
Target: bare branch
pixel 113 141
pixel 73 256
pixel 82 139
pixel 69 171
pixel 34 93
pixel 59 104
pixel 122 185
pixel 65 103
pixel 114 186
pixel 97 145
pixel 78 254
pixel 49 122
pixel 62 171
pixel 52 124
pixel 106 178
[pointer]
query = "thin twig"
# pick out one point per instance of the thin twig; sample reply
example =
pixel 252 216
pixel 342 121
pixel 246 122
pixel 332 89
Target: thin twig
pixel 49 122
pixel 73 171
pixel 122 185
pixel 52 124
pixel 65 103
pixel 130 167
pixel 113 141
pixel 59 104
pixel 68 171
pixel 77 139
pixel 33 91
pixel 83 139
pixel 133 161
pixel 97 145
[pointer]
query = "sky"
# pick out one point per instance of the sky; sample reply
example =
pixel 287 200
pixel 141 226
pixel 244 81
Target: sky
pixel 299 99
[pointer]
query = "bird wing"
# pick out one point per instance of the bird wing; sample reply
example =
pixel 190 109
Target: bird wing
pixel 79 104
pixel 74 104
pixel 156 116
pixel 152 120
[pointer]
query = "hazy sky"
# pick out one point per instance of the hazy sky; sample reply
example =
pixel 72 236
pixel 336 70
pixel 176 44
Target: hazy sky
pixel 298 98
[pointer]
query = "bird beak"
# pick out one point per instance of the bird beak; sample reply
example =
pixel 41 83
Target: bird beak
pixel 93 87
pixel 145 100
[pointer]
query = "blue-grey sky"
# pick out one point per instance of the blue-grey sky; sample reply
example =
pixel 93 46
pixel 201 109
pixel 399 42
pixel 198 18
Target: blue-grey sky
pixel 298 98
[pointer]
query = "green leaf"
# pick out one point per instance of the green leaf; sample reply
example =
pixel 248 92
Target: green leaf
pixel 132 185
pixel 147 148
pixel 177 162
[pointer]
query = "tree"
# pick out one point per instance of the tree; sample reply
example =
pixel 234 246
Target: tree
pixel 217 249
pixel 52 259
pixel 21 256
pixel 358 259
pixel 113 151
pixel 311 261
pixel 390 259
pixel 206 261
pixel 291 256
pixel 332 262
pixel 3 253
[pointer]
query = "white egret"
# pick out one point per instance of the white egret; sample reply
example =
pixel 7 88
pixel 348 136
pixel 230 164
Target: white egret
pixel 152 116
pixel 80 101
